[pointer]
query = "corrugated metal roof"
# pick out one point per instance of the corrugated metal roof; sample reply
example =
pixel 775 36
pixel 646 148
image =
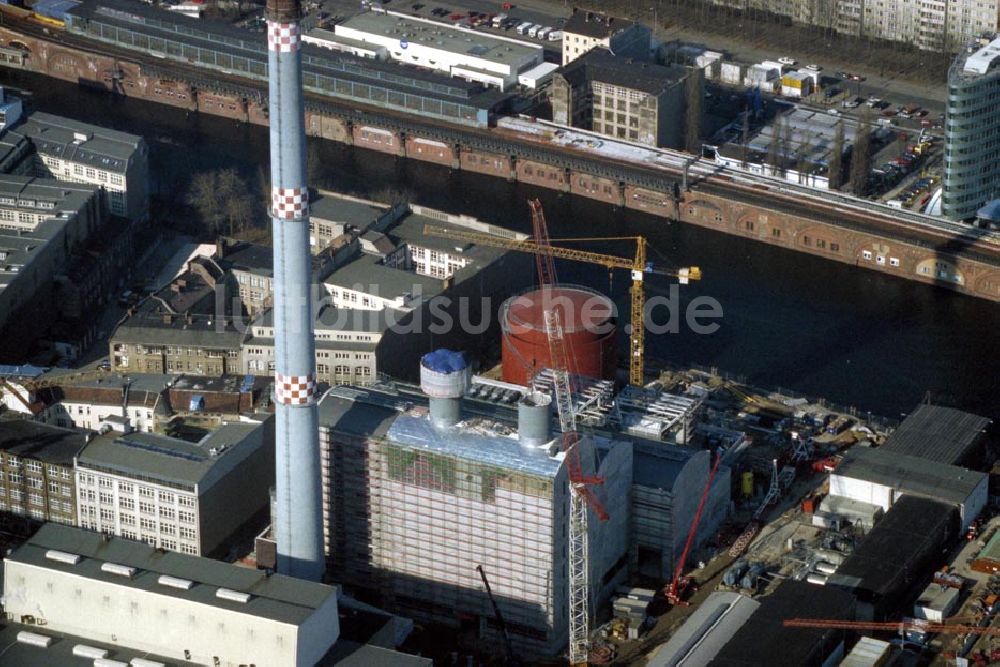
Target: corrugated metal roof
pixel 706 631
pixel 910 474
pixel 937 433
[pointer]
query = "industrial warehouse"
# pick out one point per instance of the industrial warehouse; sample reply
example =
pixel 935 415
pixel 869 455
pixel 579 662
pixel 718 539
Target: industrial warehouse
pixel 227 50
pixel 322 427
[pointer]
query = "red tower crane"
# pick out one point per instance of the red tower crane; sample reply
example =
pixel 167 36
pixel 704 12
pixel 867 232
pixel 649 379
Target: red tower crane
pixel 678 585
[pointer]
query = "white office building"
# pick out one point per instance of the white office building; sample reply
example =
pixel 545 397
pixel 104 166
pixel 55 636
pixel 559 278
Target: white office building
pixel 117 596
pixel 174 494
pixel 459 52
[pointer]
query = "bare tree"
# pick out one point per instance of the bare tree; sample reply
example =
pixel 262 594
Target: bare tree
pixel 745 139
pixel 693 111
pixel 203 196
pixel 835 168
pixel 774 158
pixel 861 157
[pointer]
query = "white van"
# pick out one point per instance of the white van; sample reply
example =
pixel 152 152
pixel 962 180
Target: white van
pixel 523 28
pixel 555 35
pixel 533 30
pixel 544 32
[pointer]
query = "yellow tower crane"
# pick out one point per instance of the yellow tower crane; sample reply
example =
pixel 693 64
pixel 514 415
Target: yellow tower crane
pixel 638 266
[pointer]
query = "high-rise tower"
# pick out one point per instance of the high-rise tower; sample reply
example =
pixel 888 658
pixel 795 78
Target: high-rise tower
pixel 298 519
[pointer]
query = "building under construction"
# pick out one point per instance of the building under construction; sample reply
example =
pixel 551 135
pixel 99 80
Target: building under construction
pixel 418 495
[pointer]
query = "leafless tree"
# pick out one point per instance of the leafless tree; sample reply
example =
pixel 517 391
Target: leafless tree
pixel 774 157
pixel 835 169
pixel 861 157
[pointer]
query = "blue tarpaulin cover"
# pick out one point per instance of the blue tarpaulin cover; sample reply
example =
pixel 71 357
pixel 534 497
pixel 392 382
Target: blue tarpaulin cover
pixel 444 361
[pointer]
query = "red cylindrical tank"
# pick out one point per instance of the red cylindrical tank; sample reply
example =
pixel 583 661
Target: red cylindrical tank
pixel 588 322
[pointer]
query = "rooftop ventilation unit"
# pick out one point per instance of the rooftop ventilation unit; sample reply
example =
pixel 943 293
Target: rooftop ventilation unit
pixel 143 662
pixel 230 594
pixel 91 652
pixel 80 137
pixel 107 662
pixel 115 568
pixel 175 582
pixel 62 557
pixel 33 639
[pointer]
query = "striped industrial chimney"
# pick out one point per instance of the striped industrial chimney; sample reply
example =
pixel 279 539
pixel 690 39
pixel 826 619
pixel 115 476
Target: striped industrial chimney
pixel 298 520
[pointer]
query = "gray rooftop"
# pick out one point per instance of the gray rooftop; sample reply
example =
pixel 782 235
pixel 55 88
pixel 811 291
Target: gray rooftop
pixel 368 274
pixel 410 230
pixel 169 459
pixel 599 65
pixel 910 474
pixel 60 652
pixel 595 24
pixel 435 35
pixel 277 597
pixel 105 149
pixel 706 631
pixel 330 207
pixel 329 318
pixel 18 251
pixel 937 433
pixel 48 444
pixel 35 193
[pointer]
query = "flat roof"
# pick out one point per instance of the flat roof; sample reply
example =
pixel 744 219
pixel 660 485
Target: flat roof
pixel 277 597
pixel 910 474
pixel 169 459
pixel 225 38
pixel 105 149
pixel 333 207
pixel 939 434
pixel 758 639
pixel 600 66
pixel 34 440
pixel 441 36
pixel 983 60
pixel 899 549
pixel 60 652
pixel 368 274
pixel 595 24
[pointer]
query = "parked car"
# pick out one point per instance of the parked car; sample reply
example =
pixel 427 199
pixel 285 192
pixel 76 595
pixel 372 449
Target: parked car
pixel 785 60
pixel 814 68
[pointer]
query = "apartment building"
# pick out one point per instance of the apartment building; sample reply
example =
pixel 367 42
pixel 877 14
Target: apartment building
pixel 625 99
pixel 586 30
pixel 194 325
pixel 36 474
pixel 137 400
pixel 972 133
pixel 347 342
pixel 174 494
pixel 69 150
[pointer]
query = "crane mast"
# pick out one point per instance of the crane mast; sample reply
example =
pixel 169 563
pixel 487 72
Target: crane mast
pixel 637 265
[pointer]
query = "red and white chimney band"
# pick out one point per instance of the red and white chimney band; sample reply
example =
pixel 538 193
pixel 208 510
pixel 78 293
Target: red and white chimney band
pixel 289 203
pixel 294 389
pixel 283 37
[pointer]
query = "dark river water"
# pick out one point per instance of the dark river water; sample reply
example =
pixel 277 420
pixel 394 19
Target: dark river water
pixel 789 320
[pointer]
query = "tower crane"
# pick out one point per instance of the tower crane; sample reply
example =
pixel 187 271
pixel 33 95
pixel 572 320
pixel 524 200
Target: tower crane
pixel 637 265
pixel 675 591
pixel 901 626
pixel 580 495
